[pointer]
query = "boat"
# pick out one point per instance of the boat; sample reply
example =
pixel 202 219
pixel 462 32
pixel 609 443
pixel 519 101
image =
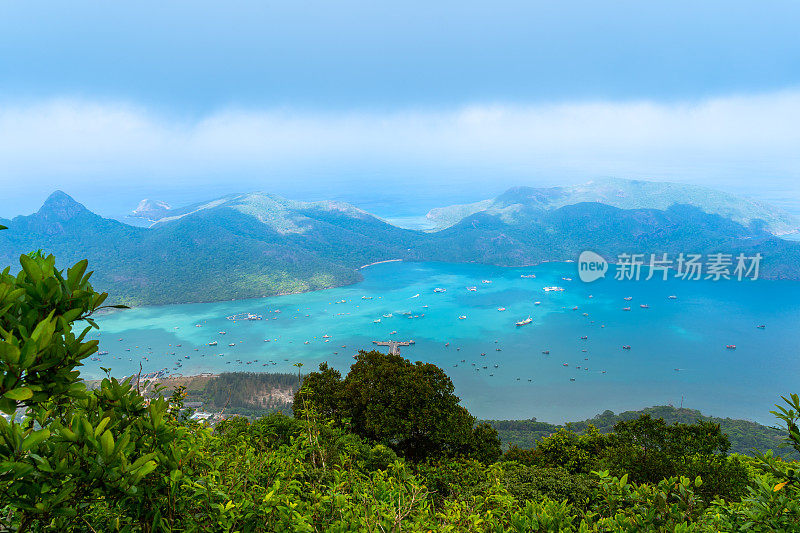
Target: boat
pixel 462 317
pixel 501 308
pixel 416 296
pixel 212 343
pixel 572 379
pixel 626 308
pixel 537 303
pixel 628 298
pixel 644 306
pixel 761 326
pixel 376 321
pixel 730 346
pixel 524 322
pixel 567 279
pixel 584 337
pixel 546 352
pixel 231 344
pixel 527 275
pixel 102 353
pixel 222 333
pixel 472 289
pixel 564 364
pixel 439 289
pixel 388 315
pixel 486 281
pixel 366 297
pixel 626 347
pixel 672 297
pixel 198 325
pixel 326 336
pixel 393 333
pixel 553 288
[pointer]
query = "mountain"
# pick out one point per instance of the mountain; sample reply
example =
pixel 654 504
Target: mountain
pixel 624 194
pixel 528 235
pixel 236 247
pixel 151 210
pixel 258 244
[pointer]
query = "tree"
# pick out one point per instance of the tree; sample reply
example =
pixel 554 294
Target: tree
pixel 410 407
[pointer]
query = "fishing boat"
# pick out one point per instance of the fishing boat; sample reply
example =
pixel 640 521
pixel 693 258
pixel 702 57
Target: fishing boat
pixel 393 333
pixel 524 322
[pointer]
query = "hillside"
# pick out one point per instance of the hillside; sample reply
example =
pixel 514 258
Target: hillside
pixel 624 194
pixel 245 246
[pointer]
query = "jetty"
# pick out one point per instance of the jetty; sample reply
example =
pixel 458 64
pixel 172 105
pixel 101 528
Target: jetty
pixel 394 346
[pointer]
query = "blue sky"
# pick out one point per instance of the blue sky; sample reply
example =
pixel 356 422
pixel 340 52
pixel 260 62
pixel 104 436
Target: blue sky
pixel 365 101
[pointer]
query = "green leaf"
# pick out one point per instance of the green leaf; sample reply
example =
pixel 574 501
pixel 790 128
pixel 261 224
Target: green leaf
pixel 34 438
pixel 19 394
pixel 31 268
pixel 107 442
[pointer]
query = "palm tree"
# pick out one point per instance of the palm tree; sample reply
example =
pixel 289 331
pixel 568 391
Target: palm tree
pixel 299 366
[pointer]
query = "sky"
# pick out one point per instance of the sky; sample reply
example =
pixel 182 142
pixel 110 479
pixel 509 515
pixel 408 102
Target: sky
pixel 397 108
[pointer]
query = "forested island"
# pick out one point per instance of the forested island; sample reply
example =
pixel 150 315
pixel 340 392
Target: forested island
pixel 386 447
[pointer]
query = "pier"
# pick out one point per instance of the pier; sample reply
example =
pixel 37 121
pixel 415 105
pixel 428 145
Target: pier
pixel 394 346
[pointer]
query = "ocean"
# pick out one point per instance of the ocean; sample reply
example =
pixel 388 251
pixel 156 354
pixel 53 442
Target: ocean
pixel 677 352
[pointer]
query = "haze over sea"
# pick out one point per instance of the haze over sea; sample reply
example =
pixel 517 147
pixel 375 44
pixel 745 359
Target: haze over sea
pixel 689 333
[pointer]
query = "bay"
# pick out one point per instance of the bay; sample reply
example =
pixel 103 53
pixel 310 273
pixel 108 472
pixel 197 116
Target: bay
pixel 677 352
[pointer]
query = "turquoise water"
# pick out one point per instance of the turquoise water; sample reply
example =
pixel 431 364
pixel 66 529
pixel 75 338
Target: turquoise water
pixel 689 333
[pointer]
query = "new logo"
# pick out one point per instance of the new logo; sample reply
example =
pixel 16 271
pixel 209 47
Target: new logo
pixel 591 266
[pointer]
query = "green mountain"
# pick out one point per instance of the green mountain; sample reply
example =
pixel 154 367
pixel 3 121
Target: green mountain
pixel 235 247
pixel 529 235
pixel 251 245
pixel 624 194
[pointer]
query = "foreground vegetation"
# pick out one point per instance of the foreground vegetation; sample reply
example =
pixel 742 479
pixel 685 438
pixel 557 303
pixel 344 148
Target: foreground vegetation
pixel 385 448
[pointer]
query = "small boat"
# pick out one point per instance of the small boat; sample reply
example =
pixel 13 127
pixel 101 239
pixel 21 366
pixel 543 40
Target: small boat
pixel 524 322
pixel 366 297
pixel 626 347
pixel 572 379
pixel 376 321
pixel 553 289
pixel 730 346
pixel 212 343
pixel 575 308
pixel 448 344
pixel 584 337
pixel 644 306
pixel 564 364
pixel 439 289
pixel 501 308
pixel 567 279
pixel 231 344
pixel 527 275
pixel 761 326
pixel 626 308
pixel 326 336
pixel 546 352
pixel 416 296
pixel 472 289
pixel 102 353
pixel 462 317
pixel 537 303
pixel 306 342
pixel 198 325
pixel 387 315
pixel 486 281
pixel 222 333
pixel 628 298
pixel 393 333
pixel 672 297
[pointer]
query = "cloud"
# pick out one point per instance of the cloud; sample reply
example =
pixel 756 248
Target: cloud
pixel 729 140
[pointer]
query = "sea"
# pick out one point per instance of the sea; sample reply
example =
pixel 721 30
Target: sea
pixel 581 354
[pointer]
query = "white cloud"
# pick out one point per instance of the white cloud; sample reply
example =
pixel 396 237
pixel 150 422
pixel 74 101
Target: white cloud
pixel 729 140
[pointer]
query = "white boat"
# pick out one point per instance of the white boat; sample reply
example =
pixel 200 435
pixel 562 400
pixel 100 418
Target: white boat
pixel 486 281
pixel 416 296
pixel 388 315
pixel 501 308
pixel 212 343
pixel 473 289
pixel 553 288
pixel 376 321
pixel 673 297
pixel 439 289
pixel 462 317
pixel 527 275
pixel 537 303
pixel 524 322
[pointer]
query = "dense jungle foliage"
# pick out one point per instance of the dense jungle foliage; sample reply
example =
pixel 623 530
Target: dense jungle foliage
pixel 359 453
